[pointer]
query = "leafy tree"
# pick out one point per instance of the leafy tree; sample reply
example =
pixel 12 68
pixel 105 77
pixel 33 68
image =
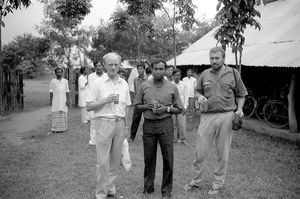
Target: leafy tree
pixel 30 51
pixel 234 17
pixel 140 11
pixel 9 59
pixel 60 25
pixel 7 6
pixel 182 12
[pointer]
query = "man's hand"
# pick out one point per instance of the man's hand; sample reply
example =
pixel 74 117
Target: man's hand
pixel 160 110
pixel 68 103
pixel 201 99
pixel 184 110
pixel 130 140
pixel 239 112
pixel 111 98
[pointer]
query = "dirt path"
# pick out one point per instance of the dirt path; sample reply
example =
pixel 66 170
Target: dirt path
pixel 13 128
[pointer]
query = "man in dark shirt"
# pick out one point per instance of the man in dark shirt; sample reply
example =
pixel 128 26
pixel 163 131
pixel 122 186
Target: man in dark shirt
pixel 158 98
pixel 137 114
pixel 215 92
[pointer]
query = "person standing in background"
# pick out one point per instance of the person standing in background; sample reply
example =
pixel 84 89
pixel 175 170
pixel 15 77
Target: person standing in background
pixel 137 114
pixel 83 89
pixel 59 102
pixel 180 119
pixel 190 84
pixel 169 72
pixel 91 79
pixel 148 71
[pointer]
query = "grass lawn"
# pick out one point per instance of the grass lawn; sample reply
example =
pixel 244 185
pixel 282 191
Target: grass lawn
pixel 36 92
pixel 62 166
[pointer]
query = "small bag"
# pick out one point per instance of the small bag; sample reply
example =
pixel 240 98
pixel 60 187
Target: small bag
pixel 126 161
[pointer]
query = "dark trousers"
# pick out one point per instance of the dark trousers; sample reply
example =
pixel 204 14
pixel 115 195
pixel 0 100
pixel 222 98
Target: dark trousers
pixel 154 132
pixel 136 118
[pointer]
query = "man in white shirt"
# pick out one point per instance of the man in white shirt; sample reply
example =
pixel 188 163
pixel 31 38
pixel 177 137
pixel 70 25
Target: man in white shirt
pixel 190 84
pixel 59 102
pixel 108 98
pixel 98 74
pixel 83 89
pixel 180 119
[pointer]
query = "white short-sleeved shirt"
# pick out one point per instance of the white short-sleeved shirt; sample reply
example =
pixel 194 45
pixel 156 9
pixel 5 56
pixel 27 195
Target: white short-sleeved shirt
pixel 102 88
pixel 83 89
pixel 190 85
pixel 182 93
pixel 59 88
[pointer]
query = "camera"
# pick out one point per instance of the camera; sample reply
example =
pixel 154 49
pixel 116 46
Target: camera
pixel 237 123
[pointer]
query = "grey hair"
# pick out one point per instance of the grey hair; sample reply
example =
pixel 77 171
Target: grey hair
pixel 109 54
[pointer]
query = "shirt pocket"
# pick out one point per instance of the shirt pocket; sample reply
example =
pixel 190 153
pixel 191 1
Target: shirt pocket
pixel 207 87
pixel 227 89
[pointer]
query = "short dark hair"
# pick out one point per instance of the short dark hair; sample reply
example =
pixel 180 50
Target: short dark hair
pixel 58 68
pixel 157 61
pixel 217 49
pixel 148 70
pixel 177 70
pixel 121 71
pixel 169 66
pixel 141 64
pixel 98 63
pixel 82 69
pixel 189 69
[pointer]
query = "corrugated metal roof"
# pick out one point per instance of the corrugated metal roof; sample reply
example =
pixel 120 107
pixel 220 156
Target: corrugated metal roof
pixel 276 44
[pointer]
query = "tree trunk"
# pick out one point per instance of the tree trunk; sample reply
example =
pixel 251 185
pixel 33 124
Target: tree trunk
pixel 291 107
pixel 174 34
pixel 240 63
pixel 139 43
pixel 174 44
pixel 0 30
pixel 236 60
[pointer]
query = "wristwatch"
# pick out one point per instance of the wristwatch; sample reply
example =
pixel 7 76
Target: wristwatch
pixel 168 109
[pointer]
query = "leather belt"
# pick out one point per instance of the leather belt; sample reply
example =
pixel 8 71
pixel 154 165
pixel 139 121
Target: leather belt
pixel 111 119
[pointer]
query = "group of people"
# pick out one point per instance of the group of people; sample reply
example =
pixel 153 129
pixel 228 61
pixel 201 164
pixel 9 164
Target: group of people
pixel 162 99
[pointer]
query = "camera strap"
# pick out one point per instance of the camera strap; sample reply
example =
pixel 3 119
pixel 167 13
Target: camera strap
pixel 234 89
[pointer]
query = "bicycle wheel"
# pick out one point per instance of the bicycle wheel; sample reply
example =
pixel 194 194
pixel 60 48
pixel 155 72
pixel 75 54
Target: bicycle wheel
pixel 260 103
pixel 276 114
pixel 249 106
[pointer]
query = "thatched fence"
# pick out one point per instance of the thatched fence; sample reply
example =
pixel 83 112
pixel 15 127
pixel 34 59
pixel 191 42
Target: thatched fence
pixel 11 90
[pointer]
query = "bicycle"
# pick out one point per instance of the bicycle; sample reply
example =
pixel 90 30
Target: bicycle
pixel 261 102
pixel 249 105
pixel 276 114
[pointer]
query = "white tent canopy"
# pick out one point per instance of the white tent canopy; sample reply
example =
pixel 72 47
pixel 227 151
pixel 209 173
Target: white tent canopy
pixel 277 44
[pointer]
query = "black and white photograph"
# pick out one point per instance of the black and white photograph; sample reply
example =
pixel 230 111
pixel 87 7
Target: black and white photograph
pixel 149 99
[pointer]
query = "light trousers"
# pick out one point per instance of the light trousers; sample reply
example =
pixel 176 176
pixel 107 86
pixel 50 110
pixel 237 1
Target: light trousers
pixel 109 140
pixel 92 131
pixel 214 127
pixel 85 116
pixel 179 121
